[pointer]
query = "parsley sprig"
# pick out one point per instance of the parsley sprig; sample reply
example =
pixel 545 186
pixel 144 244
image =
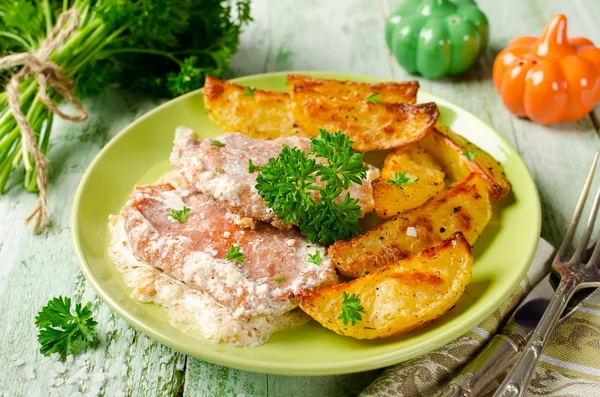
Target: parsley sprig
pixel 288 183
pixel 351 309
pixel 373 98
pixel 315 258
pixel 253 168
pixel 179 215
pixel 401 179
pixel 470 154
pixel 234 254
pixel 60 331
pixel 249 91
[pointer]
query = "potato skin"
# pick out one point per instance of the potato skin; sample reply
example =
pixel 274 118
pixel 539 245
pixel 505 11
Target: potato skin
pixel 464 207
pixel 264 115
pixel 413 159
pixel 401 297
pixel 372 126
pixel 389 92
pixel 448 149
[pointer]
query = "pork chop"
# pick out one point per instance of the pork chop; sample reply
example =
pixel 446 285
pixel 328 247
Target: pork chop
pixel 219 167
pixel 274 270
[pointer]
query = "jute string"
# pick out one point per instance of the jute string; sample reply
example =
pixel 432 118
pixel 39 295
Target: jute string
pixel 47 74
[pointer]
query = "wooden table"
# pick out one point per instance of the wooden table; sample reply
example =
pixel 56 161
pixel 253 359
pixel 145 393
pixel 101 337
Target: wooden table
pixel 331 35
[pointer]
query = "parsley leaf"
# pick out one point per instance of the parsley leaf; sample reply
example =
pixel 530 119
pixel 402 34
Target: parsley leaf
pixel 373 98
pixel 470 154
pixel 288 183
pixel 278 279
pixel 351 309
pixel 315 258
pixel 59 331
pixel 219 170
pixel 252 168
pixel 249 91
pixel 180 215
pixel 234 254
pixel 401 179
pixel 214 142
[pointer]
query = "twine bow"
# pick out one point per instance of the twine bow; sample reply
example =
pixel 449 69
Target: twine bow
pixel 47 73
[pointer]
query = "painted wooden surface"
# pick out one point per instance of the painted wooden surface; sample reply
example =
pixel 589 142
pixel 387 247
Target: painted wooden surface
pixel 334 35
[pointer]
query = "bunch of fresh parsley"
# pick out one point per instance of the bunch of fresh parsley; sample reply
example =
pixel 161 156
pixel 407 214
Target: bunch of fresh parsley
pixel 164 47
pixel 304 191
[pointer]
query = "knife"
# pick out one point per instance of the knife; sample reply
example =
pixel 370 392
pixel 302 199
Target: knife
pixel 504 348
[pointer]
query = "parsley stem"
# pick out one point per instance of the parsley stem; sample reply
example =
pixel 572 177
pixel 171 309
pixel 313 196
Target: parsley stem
pixel 20 40
pixel 165 54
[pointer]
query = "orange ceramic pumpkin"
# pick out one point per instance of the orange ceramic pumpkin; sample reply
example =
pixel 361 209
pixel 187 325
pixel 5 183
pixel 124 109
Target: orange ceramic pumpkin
pixel 551 78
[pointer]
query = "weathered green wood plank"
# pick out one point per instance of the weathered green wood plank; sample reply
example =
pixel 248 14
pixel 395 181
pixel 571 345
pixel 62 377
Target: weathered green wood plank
pixel 34 269
pixel 558 156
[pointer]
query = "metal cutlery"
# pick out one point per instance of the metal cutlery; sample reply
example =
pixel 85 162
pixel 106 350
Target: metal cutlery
pixel 575 273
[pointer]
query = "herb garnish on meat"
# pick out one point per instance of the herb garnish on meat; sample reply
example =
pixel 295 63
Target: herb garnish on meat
pixel 288 184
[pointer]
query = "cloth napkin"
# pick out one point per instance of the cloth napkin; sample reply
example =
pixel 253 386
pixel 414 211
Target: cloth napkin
pixel 569 366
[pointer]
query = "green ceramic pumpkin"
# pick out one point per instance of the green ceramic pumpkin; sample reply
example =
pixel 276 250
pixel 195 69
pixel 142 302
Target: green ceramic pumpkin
pixel 434 38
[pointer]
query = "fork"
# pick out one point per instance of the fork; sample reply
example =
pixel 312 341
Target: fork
pixel 575 273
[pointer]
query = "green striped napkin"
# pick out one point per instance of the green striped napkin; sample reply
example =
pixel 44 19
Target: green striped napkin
pixel 569 366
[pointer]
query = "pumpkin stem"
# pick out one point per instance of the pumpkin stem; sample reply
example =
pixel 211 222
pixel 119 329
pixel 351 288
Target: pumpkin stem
pixel 554 42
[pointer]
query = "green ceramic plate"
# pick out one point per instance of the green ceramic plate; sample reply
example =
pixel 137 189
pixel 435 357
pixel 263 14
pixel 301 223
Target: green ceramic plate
pixel 139 154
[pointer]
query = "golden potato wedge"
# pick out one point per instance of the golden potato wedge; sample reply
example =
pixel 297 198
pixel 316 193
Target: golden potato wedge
pixel 464 206
pixel 452 152
pixel 372 126
pixel 256 113
pixel 400 297
pixel 392 92
pixel 409 177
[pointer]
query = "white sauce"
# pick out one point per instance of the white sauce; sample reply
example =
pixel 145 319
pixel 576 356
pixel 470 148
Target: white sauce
pixel 196 312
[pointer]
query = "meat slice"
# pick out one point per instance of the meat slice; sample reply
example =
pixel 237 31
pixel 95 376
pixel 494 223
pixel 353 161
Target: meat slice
pixel 275 268
pixel 221 170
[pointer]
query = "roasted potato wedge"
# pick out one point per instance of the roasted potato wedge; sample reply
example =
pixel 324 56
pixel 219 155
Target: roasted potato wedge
pixel 452 152
pixel 372 126
pixel 464 206
pixel 401 297
pixel 410 177
pixel 256 113
pixel 392 92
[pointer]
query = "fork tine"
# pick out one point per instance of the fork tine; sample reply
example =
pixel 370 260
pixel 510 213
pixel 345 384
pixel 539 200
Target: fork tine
pixel 595 255
pixel 578 255
pixel 577 214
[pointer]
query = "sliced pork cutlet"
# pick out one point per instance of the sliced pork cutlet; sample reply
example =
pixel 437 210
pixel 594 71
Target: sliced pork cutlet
pixel 219 167
pixel 274 268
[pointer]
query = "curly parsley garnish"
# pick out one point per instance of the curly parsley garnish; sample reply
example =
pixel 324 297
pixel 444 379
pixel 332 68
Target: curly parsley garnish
pixel 315 258
pixel 60 331
pixel 180 215
pixel 253 168
pixel 288 183
pixel 351 309
pixel 401 179
pixel 214 142
pixel 234 254
pixel 373 98
pixel 249 91
pixel 470 154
